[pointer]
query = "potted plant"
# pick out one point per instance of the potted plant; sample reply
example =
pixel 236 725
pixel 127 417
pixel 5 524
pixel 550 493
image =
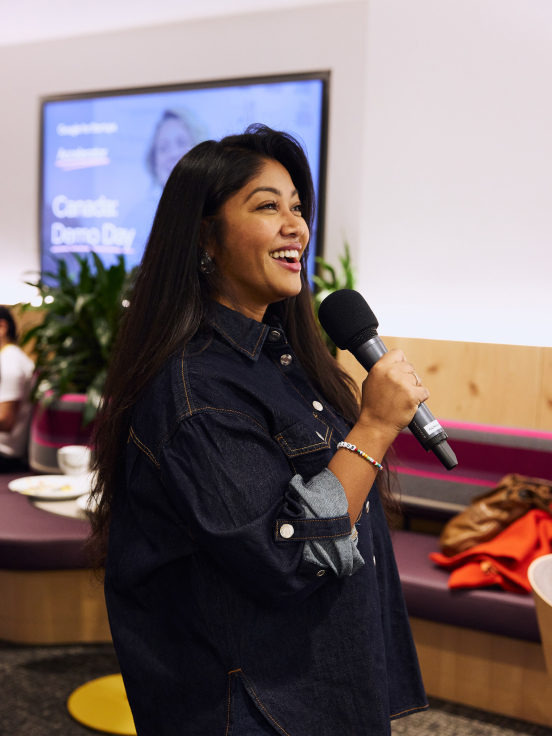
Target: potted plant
pixel 72 347
pixel 326 284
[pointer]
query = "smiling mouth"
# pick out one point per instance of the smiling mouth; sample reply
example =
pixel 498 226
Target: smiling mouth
pixel 290 255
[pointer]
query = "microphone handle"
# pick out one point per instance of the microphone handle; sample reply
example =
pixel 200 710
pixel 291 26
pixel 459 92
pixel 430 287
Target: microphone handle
pixel 424 426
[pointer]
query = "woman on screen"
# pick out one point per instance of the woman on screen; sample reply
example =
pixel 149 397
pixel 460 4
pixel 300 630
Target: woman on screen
pixel 176 132
pixel 250 579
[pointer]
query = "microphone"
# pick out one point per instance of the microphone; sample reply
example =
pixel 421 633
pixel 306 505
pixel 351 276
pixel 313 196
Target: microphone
pixel 351 324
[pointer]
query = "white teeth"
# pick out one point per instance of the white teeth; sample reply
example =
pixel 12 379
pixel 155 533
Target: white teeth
pixel 285 254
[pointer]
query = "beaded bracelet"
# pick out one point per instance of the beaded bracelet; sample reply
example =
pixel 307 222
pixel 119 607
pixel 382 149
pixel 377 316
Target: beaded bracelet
pixel 354 448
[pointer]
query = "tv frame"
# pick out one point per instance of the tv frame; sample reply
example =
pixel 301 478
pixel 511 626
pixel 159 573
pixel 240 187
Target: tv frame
pixel 323 76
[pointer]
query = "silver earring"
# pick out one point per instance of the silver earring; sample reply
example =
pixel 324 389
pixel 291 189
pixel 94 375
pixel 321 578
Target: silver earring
pixel 206 263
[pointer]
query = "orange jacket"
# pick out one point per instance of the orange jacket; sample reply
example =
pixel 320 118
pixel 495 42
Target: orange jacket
pixel 503 560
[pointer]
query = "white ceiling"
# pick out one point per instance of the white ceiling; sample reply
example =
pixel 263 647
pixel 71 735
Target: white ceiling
pixel 24 21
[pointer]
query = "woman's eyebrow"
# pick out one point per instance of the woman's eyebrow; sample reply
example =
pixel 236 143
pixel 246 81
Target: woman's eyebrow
pixel 269 189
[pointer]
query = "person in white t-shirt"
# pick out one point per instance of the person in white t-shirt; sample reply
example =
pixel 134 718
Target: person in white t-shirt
pixel 16 372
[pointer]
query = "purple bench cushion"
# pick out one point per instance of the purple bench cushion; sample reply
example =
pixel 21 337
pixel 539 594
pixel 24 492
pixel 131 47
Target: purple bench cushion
pixel 32 539
pixel 428 596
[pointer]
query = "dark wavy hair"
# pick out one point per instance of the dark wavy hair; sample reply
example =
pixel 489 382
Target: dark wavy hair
pixel 6 315
pixel 172 297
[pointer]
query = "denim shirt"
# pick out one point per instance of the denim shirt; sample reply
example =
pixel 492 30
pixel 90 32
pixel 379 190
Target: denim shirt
pixel 227 454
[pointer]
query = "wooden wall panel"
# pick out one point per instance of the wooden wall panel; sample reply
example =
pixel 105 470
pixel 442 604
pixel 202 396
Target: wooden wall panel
pixel 508 385
pixel 545 405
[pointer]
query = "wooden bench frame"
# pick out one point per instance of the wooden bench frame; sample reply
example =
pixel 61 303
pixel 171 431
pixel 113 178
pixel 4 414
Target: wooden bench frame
pixel 52 607
pixel 495 673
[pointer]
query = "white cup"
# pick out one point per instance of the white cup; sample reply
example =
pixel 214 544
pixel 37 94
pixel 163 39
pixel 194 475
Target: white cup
pixel 74 459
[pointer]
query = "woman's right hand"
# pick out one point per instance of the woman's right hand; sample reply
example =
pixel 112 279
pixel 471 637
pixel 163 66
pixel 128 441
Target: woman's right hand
pixel 390 396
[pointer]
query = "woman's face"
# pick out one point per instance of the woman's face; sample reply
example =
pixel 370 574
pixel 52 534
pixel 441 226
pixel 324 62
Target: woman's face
pixel 261 224
pixel 172 142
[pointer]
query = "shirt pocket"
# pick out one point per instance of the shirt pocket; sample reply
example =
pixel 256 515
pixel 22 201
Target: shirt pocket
pixel 307 445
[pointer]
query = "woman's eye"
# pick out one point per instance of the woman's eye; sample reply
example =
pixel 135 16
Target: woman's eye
pixel 298 207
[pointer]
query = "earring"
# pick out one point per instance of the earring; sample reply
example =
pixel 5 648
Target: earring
pixel 206 263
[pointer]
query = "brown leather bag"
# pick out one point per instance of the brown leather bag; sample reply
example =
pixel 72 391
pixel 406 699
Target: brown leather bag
pixel 492 512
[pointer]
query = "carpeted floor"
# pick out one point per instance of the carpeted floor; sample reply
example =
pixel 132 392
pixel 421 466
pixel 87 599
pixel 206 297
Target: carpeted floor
pixel 36 681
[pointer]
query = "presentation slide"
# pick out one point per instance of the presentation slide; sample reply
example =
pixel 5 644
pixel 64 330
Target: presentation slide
pixel 106 159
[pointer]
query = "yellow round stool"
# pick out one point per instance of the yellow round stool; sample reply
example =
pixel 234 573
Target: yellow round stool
pixel 103 704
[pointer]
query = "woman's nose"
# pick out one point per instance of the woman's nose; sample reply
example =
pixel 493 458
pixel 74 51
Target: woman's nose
pixel 293 225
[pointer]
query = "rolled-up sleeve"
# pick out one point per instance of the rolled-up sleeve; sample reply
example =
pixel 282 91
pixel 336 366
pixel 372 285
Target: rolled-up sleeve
pixel 323 496
pixel 230 482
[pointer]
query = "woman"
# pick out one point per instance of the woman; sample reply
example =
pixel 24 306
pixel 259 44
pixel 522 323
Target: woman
pixel 176 132
pixel 250 581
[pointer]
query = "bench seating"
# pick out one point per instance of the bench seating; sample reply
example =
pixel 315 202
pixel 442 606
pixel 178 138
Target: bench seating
pixel 49 595
pixel 477 647
pixel 428 596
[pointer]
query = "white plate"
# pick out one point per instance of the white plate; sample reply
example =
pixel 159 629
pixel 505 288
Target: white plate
pixel 51 487
pixel 84 501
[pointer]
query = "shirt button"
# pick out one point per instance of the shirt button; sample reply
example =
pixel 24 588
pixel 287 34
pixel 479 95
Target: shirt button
pixel 286 359
pixel 317 405
pixel 374 560
pixel 287 531
pixel 320 573
pixel 367 506
pixel 273 335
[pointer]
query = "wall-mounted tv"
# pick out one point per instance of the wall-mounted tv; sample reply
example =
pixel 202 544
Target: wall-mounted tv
pixel 106 156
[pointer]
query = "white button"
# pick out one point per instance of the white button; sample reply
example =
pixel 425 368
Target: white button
pixel 317 405
pixel 367 506
pixel 374 560
pixel 320 573
pixel 287 531
pixel 286 359
pixel 273 335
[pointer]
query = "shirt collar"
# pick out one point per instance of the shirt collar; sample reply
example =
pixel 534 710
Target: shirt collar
pixel 244 334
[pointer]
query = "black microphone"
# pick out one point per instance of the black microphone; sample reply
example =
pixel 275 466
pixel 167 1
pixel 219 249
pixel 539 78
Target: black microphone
pixel 351 324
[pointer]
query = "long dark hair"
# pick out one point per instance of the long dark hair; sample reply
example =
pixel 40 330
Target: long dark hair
pixel 172 297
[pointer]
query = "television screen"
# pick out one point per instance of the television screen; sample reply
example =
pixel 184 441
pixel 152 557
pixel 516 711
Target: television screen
pixel 106 157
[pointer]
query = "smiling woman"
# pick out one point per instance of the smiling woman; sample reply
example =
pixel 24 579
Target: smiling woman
pixel 241 579
pixel 264 236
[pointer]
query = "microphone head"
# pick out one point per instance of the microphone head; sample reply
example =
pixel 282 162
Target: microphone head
pixel 347 319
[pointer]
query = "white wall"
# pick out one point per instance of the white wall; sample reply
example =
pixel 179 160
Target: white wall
pixel 291 40
pixel 457 216
pixel 440 160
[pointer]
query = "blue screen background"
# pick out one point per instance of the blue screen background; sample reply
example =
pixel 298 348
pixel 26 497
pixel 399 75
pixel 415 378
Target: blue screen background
pixel 101 184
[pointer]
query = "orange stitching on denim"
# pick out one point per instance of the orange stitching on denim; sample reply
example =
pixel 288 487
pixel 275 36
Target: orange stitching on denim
pixel 262 706
pixel 235 343
pixel 211 408
pixel 232 671
pixel 313 539
pixel 307 521
pixel 301 395
pixel 184 382
pixel 306 448
pixel 296 539
pixel 418 707
pixel 325 443
pixel 229 694
pixel 143 447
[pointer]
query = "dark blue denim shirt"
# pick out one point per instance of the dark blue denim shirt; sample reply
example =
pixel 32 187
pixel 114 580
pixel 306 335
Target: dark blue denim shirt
pixel 202 587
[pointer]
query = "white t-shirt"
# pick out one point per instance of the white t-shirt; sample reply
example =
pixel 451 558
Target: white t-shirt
pixel 16 372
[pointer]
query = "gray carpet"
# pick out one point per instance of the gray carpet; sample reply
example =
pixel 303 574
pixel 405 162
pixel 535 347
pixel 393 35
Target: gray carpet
pixel 35 683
